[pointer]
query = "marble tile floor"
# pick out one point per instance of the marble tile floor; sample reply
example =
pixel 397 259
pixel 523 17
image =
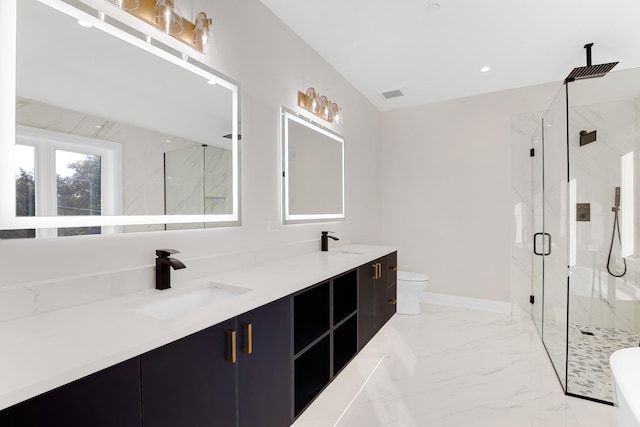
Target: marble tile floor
pixel 452 367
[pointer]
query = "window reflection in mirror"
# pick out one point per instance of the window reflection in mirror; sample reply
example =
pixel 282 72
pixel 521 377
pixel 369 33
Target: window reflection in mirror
pixel 313 171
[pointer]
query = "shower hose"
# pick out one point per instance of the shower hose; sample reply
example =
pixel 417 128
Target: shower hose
pixel 616 230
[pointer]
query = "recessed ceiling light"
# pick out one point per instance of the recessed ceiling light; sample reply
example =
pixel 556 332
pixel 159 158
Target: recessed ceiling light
pixel 85 24
pixel 485 69
pixel 211 82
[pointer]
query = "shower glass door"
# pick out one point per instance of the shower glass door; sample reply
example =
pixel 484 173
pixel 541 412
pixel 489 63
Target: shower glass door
pixel 554 235
pixel 538 226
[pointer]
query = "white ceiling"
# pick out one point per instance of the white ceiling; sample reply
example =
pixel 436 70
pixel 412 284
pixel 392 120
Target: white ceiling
pixel 433 54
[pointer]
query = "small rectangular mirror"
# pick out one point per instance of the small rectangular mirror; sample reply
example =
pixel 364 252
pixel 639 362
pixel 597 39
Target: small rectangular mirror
pixel 312 171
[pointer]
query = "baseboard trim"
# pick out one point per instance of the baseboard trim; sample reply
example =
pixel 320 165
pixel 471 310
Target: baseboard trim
pixel 502 307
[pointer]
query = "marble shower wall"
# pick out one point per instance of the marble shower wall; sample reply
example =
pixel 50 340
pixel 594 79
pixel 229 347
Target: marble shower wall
pixel 199 181
pixel 597 298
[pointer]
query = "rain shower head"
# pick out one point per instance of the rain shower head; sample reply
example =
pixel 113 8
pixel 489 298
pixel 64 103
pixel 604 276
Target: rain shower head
pixel 590 71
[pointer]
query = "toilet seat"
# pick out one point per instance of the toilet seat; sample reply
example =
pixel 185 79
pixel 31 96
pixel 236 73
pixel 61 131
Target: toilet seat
pixel 410 276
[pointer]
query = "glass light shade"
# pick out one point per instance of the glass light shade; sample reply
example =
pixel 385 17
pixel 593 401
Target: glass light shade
pixel 321 106
pixel 335 115
pixel 124 4
pixel 311 99
pixel 201 36
pixel 167 17
pixel 338 118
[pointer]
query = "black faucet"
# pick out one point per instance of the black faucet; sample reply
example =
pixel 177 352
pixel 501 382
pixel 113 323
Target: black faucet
pixel 163 272
pixel 325 240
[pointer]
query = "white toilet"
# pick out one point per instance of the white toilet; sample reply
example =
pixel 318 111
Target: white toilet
pixel 410 285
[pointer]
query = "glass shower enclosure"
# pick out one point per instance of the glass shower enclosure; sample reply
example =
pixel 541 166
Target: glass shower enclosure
pixel 586 186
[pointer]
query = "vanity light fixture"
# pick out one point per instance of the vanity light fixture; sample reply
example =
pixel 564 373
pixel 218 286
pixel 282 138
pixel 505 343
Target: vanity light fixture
pixel 320 106
pixel 201 32
pixel 165 15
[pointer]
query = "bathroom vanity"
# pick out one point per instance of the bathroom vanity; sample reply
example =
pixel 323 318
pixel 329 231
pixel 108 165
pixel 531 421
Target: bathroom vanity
pixel 257 358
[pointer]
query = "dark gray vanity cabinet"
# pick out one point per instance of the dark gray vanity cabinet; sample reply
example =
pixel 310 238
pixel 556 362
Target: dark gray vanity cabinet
pixel 236 373
pixel 376 296
pixel 264 365
pixel 107 398
pixel 190 382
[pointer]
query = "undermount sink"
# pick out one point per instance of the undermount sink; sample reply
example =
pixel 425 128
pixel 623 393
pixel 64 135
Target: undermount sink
pixel 346 253
pixel 181 301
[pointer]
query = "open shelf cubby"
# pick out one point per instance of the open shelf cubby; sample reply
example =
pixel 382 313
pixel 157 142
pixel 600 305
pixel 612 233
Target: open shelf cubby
pixel 345 343
pixel 312 372
pixel 345 296
pixel 311 319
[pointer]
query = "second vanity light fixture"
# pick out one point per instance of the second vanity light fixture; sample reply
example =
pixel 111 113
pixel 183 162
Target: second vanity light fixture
pixel 320 106
pixel 165 15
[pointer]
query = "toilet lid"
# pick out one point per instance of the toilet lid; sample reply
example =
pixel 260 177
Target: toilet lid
pixel 410 276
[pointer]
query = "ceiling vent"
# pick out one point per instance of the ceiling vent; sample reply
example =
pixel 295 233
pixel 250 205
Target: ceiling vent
pixel 392 94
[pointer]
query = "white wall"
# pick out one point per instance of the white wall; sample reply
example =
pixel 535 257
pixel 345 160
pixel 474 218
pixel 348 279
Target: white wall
pixel 271 64
pixel 447 189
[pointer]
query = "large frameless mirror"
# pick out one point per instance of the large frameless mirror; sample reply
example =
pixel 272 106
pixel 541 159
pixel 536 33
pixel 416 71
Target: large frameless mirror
pixel 114 131
pixel 313 171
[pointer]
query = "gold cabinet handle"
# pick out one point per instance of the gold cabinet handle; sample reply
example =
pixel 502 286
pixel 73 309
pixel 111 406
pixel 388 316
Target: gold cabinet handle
pixel 232 356
pixel 379 271
pixel 393 301
pixel 375 271
pixel 248 334
pixel 394 268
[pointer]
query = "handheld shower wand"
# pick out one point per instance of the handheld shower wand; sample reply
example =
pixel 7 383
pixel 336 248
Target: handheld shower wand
pixel 616 230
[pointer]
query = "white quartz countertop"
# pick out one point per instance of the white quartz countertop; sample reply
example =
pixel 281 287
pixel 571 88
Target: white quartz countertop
pixel 41 352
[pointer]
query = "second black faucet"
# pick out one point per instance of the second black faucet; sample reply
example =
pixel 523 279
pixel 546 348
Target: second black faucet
pixel 325 240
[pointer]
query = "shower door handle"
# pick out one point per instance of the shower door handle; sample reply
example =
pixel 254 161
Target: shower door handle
pixel 544 239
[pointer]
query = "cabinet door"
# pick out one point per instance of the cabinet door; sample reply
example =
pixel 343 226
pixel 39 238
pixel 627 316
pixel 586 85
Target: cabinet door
pixel 107 398
pixel 189 382
pixel 392 286
pixel 380 291
pixel 367 278
pixel 265 366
